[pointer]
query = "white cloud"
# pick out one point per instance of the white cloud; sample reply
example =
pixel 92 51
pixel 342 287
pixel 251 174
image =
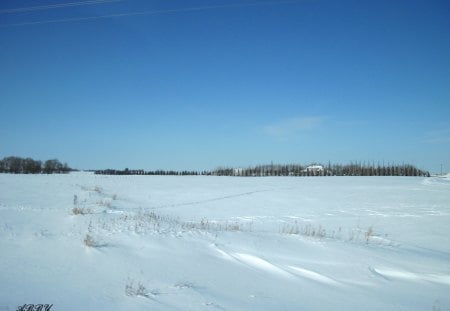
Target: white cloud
pixel 291 126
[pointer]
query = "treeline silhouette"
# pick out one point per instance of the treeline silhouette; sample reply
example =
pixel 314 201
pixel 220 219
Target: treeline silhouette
pixel 352 169
pixel 143 172
pixel 17 165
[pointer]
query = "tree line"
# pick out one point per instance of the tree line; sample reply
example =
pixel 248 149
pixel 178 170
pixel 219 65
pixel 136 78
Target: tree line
pixel 143 172
pixel 18 165
pixel 352 169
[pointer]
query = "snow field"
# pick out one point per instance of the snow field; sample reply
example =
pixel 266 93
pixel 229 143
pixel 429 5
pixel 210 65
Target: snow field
pixel 207 243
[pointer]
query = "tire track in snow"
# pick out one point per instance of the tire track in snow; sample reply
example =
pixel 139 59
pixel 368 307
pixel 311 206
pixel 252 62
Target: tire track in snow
pixel 212 199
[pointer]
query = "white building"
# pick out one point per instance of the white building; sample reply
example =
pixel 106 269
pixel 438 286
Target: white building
pixel 315 169
pixel 237 171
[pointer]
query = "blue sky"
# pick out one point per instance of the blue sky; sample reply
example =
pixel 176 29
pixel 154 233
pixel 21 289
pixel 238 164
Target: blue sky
pixel 199 84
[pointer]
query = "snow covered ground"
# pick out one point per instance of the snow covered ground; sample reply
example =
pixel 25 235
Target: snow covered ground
pixel 224 243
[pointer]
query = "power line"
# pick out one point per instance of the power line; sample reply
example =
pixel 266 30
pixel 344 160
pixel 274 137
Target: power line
pixel 155 12
pixel 56 6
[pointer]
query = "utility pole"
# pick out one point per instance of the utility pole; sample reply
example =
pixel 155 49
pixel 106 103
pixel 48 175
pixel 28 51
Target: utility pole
pixel 441 170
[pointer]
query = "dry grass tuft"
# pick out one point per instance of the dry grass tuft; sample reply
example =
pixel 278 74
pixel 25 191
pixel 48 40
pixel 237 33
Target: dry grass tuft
pixel 89 241
pixel 139 290
pixel 81 210
pixel 369 233
pixel 206 225
pixel 105 203
pixel 97 189
pixel 305 230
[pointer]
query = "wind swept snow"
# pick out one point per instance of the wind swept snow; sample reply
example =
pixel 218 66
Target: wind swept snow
pixel 85 241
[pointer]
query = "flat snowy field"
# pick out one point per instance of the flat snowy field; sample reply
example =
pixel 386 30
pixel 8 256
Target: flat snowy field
pixel 83 241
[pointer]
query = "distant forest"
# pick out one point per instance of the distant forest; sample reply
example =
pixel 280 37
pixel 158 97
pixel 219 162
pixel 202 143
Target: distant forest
pixel 352 169
pixel 157 172
pixel 17 165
